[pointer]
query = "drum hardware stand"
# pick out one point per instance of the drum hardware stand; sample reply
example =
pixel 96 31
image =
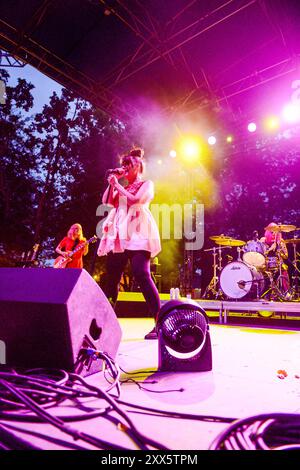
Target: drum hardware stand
pixel 242 285
pixel 214 285
pixel 273 291
pixel 293 293
pixel 256 282
pixel 239 253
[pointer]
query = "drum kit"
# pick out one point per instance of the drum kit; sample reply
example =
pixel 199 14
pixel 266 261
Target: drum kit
pixel 254 274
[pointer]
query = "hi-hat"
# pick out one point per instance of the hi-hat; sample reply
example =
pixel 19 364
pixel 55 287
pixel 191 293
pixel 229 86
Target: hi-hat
pixel 292 240
pixel 281 228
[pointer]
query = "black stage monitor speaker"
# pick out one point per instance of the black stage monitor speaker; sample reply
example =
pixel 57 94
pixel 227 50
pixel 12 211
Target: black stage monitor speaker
pixel 49 316
pixel 183 337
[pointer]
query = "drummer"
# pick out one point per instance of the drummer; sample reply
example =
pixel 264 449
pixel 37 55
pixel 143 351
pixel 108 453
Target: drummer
pixel 276 251
pixel 273 242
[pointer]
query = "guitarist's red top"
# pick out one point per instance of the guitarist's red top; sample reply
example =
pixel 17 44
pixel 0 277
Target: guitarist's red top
pixel 67 244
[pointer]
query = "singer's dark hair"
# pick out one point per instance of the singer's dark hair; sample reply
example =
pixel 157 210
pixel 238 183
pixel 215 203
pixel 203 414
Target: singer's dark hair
pixel 135 155
pixel 137 152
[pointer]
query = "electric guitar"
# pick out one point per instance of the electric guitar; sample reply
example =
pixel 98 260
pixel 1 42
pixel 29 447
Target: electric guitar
pixel 61 261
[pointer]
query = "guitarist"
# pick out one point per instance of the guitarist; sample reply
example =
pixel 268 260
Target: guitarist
pixel 69 243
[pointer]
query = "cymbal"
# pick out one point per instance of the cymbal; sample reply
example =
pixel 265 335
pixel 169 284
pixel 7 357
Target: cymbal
pixel 219 237
pixel 281 228
pixel 292 240
pixel 230 242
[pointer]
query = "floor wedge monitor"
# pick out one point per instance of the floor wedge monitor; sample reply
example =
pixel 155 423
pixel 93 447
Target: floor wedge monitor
pixel 50 317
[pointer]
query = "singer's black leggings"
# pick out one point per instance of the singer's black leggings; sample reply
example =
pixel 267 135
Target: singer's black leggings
pixel 140 265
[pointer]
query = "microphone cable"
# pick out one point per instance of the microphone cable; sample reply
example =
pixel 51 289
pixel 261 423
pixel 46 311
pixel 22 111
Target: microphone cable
pixel 269 431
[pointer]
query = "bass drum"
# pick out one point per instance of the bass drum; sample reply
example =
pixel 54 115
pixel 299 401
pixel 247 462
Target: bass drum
pixel 238 280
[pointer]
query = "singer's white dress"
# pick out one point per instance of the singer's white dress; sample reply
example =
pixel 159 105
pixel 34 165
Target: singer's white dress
pixel 131 226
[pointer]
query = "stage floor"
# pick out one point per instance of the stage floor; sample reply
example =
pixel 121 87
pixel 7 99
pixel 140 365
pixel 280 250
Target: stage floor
pixel 244 381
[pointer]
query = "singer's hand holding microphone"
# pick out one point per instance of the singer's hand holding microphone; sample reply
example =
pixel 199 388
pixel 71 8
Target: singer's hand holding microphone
pixel 114 174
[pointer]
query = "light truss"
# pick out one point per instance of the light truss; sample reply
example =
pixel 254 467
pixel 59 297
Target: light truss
pixel 29 51
pixel 7 60
pixel 259 77
pixel 154 42
pixel 139 62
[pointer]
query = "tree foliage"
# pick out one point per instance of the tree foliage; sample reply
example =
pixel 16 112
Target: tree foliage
pixel 17 182
pixel 52 166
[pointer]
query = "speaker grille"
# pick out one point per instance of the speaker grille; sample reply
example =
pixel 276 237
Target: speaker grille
pixel 184 330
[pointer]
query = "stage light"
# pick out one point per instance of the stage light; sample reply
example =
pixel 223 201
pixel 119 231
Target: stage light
pixel 265 313
pixel 183 337
pixel 211 140
pixel 272 123
pixel 172 153
pixel 190 149
pixel 252 127
pixel 229 139
pixel 159 162
pixel 291 112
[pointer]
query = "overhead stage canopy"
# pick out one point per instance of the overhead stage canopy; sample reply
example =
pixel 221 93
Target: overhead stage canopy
pixel 177 55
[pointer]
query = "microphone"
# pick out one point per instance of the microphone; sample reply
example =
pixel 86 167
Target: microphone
pixel 116 171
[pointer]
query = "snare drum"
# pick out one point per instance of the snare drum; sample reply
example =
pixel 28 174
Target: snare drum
pixel 254 254
pixel 237 280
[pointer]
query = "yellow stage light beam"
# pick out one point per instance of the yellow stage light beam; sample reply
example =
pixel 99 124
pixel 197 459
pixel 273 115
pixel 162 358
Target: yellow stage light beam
pixel 272 123
pixel 191 149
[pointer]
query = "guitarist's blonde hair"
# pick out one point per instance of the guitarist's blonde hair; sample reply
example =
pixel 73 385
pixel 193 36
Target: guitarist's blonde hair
pixel 70 231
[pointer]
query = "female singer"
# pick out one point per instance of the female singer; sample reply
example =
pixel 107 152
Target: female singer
pixel 130 231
